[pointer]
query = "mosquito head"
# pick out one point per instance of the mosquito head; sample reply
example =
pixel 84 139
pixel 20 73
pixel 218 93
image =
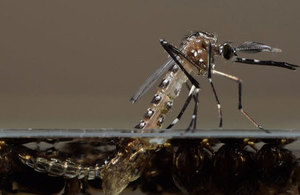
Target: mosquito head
pixel 227 51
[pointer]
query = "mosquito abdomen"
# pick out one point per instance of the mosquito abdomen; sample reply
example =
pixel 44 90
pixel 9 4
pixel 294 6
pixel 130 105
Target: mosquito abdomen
pixel 162 101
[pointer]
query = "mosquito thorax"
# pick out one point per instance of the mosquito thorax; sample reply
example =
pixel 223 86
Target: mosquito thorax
pixel 195 47
pixel 227 51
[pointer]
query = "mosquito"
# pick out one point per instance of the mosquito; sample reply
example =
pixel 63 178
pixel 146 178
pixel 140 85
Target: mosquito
pixel 195 56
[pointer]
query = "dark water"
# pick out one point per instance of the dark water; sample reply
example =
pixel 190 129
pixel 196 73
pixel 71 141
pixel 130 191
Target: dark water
pixel 201 162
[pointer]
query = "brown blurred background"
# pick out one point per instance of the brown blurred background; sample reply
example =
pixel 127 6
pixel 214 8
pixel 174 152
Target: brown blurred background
pixel 75 64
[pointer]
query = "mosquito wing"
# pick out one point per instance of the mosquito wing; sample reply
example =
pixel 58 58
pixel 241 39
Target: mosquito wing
pixel 151 80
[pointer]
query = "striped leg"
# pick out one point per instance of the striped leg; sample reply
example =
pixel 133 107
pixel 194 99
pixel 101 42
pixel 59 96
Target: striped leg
pixel 266 63
pixel 192 94
pixel 193 123
pixel 174 53
pixel 240 107
pixel 212 86
pixel 218 102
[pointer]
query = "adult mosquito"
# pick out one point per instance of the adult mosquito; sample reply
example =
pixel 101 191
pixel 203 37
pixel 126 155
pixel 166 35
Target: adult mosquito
pixel 195 56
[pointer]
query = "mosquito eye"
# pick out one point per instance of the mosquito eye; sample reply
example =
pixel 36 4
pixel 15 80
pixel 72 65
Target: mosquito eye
pixel 228 51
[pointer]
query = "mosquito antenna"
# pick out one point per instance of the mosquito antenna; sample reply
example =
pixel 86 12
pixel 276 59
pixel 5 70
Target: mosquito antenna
pixel 254 47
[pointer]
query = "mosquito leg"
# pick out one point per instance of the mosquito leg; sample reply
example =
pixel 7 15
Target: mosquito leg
pixel 266 63
pixel 174 52
pixel 195 112
pixel 186 103
pixel 240 107
pixel 218 103
pixel 212 86
pixel 193 123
